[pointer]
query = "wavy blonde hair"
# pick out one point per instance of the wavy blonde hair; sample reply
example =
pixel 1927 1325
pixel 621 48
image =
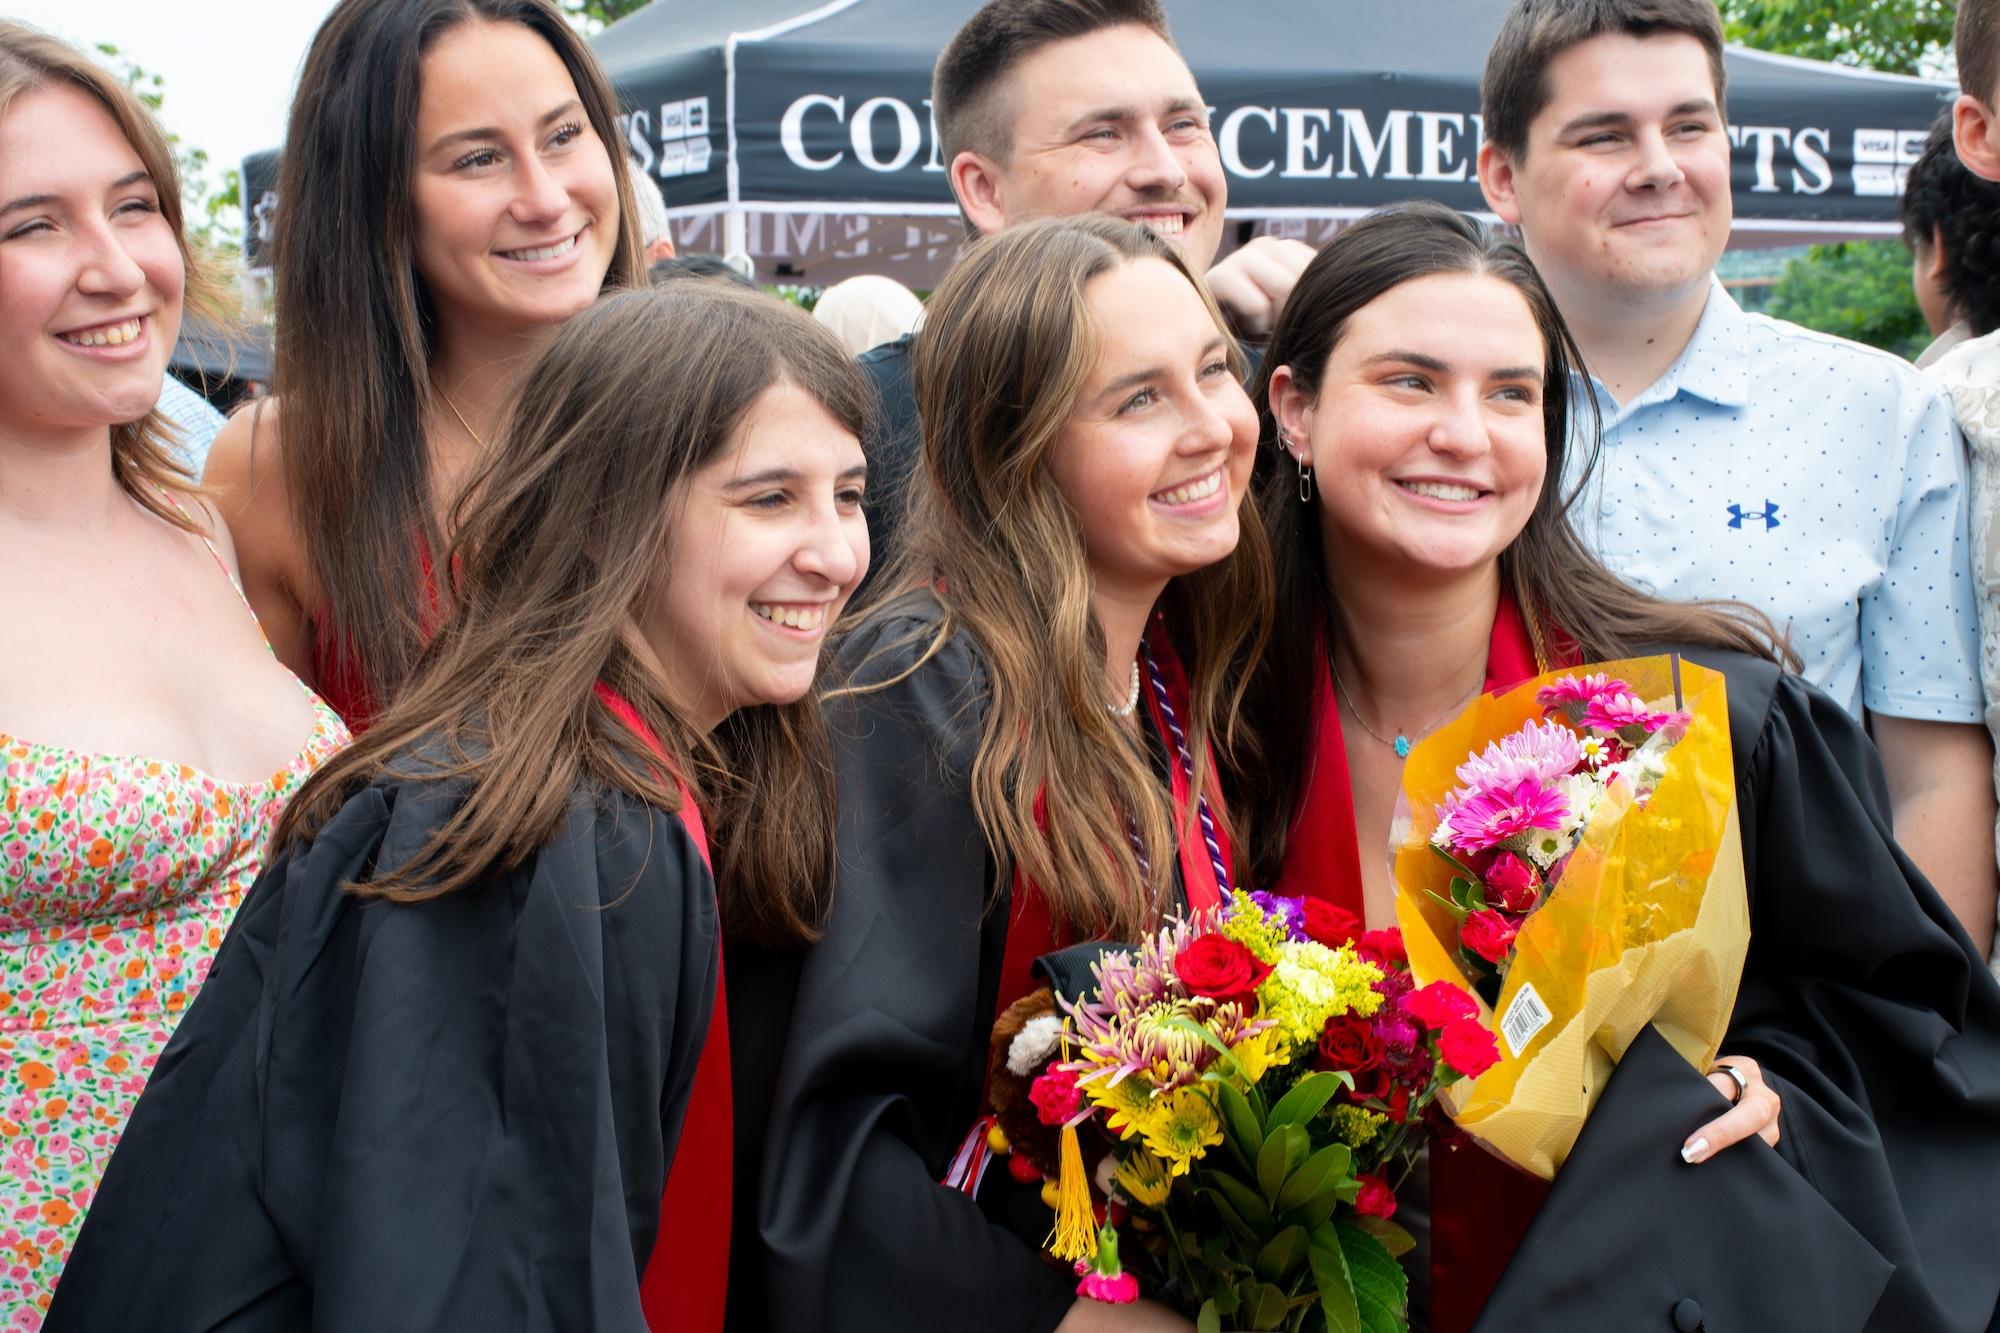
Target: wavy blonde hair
pixel 1058 786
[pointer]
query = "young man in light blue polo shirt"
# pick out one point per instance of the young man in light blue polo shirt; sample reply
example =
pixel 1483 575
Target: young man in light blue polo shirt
pixel 1743 457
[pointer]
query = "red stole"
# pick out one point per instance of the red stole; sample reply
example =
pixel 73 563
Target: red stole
pixel 1031 931
pixel 687 1278
pixel 1480 1205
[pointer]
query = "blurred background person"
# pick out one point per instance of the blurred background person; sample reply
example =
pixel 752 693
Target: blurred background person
pixel 868 310
pixel 149 739
pixel 656 233
pixel 1951 222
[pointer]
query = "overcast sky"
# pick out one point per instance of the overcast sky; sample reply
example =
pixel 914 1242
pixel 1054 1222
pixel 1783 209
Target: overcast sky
pixel 229 65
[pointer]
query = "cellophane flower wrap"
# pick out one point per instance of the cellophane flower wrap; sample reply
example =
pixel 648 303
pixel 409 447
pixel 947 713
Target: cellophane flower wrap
pixel 1237 1103
pixel 1570 849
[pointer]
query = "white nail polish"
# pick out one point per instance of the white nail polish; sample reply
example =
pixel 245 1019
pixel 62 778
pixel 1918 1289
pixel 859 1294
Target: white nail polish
pixel 1695 1151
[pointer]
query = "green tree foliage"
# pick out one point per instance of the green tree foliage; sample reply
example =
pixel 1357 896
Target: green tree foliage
pixel 1859 290
pixel 590 15
pixel 214 213
pixel 1892 35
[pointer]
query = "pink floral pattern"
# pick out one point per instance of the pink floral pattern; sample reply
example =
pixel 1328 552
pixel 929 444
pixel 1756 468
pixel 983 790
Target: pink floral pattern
pixel 118 878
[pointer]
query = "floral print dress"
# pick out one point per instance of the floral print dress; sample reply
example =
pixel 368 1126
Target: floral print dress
pixel 118 878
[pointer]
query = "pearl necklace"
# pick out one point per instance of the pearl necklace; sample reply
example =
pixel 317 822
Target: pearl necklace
pixel 1131 696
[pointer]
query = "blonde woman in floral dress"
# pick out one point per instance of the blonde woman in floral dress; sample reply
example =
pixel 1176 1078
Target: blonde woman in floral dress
pixel 148 737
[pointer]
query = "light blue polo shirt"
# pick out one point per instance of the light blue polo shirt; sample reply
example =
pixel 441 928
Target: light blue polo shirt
pixel 1819 480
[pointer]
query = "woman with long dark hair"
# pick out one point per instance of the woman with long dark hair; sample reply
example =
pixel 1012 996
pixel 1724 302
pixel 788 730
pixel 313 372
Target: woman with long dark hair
pixel 464 1061
pixel 148 738
pixel 1418 397
pixel 1022 750
pixel 451 191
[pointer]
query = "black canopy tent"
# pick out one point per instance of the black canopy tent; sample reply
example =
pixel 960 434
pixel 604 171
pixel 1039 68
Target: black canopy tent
pixel 799 131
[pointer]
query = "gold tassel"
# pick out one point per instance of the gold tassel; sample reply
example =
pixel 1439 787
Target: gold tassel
pixel 1075 1235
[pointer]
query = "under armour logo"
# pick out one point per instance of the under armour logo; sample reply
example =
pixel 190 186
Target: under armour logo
pixel 1769 518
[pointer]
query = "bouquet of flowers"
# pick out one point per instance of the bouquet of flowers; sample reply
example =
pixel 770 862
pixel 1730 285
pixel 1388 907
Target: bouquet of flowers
pixel 1242 1093
pixel 1570 849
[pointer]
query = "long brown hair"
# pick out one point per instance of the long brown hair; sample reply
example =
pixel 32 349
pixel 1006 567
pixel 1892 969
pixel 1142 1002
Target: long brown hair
pixel 141 451
pixel 355 329
pixel 1564 591
pixel 1007 344
pixel 557 541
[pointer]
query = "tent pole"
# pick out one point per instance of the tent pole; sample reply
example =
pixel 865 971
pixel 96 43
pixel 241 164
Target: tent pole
pixel 736 242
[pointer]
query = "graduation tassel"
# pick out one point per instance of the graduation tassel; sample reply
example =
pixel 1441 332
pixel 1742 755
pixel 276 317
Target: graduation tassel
pixel 1075 1235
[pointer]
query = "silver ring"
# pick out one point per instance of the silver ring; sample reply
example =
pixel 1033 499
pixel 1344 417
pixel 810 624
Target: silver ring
pixel 1742 1083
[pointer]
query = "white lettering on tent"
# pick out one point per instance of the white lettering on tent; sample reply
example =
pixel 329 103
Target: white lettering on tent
pixel 933 162
pixel 1302 127
pixel 791 130
pixel 862 131
pixel 1812 158
pixel 1437 150
pixel 1357 138
pixel 1764 141
pixel 1229 140
pixel 638 128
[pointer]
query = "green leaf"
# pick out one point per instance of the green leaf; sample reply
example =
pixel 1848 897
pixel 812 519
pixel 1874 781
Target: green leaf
pixel 1281 1254
pixel 1458 913
pixel 1231 1217
pixel 1227 1302
pixel 1315 1212
pixel 1245 1129
pixel 1210 1318
pixel 1317 1177
pixel 1461 892
pixel 1381 1291
pixel 1284 1151
pixel 1268 1309
pixel 1244 1200
pixel 1307 1096
pixel 1395 1240
pixel 1336 1288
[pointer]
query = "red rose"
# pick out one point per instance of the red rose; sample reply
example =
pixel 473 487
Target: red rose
pixel 1350 1043
pixel 1330 925
pixel 1514 882
pixel 1440 1003
pixel 1376 1199
pixel 1384 947
pixel 1488 934
pixel 1468 1047
pixel 1399 1104
pixel 1221 969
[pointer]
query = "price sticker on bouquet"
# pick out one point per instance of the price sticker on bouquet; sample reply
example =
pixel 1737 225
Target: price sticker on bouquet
pixel 1525 1016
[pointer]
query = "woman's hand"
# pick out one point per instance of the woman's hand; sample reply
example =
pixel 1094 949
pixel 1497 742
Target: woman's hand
pixel 1755 1112
pixel 1088 1316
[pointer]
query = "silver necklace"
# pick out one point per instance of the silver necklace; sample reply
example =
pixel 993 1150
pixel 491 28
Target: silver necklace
pixel 1131 696
pixel 1402 742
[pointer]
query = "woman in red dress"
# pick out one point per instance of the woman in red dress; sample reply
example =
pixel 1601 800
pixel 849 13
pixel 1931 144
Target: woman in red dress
pixel 1418 394
pixel 463 1062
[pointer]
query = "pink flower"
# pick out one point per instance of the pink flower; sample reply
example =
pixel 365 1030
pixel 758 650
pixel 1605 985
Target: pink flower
pixel 1382 947
pixel 1514 881
pixel 1440 1004
pixel 1468 1047
pixel 1613 713
pixel 1488 934
pixel 1376 1199
pixel 1056 1096
pixel 1488 818
pixel 1578 689
pixel 1113 1289
pixel 1541 752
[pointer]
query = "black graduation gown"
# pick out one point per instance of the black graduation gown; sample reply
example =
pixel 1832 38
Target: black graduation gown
pixel 884 1072
pixel 1878 1025
pixel 454 1115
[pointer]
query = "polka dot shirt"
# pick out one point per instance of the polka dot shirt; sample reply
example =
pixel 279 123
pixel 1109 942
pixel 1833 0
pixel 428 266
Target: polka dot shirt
pixel 1818 480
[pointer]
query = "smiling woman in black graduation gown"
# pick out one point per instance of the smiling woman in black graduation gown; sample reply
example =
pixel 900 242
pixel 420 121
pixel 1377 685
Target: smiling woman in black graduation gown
pixel 1418 347
pixel 462 1062
pixel 1018 745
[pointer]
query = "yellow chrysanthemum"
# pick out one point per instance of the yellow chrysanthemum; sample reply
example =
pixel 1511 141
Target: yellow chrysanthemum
pixel 1254 1054
pixel 1357 1125
pixel 1182 1129
pixel 1125 1103
pixel 1143 1178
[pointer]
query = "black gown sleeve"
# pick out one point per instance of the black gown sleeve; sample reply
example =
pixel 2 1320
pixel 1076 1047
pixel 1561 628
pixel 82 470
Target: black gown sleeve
pixel 455 1114
pixel 1879 1026
pixel 883 1074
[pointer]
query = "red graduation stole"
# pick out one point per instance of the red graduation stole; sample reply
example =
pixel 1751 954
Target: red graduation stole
pixel 686 1281
pixel 1480 1205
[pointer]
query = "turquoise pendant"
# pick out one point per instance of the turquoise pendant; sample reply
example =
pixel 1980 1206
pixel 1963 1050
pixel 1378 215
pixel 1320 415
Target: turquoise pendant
pixel 1402 747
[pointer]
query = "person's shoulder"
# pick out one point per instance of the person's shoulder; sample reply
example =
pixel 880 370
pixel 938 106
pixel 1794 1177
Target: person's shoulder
pixel 246 477
pixel 888 357
pixel 1833 360
pixel 908 632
